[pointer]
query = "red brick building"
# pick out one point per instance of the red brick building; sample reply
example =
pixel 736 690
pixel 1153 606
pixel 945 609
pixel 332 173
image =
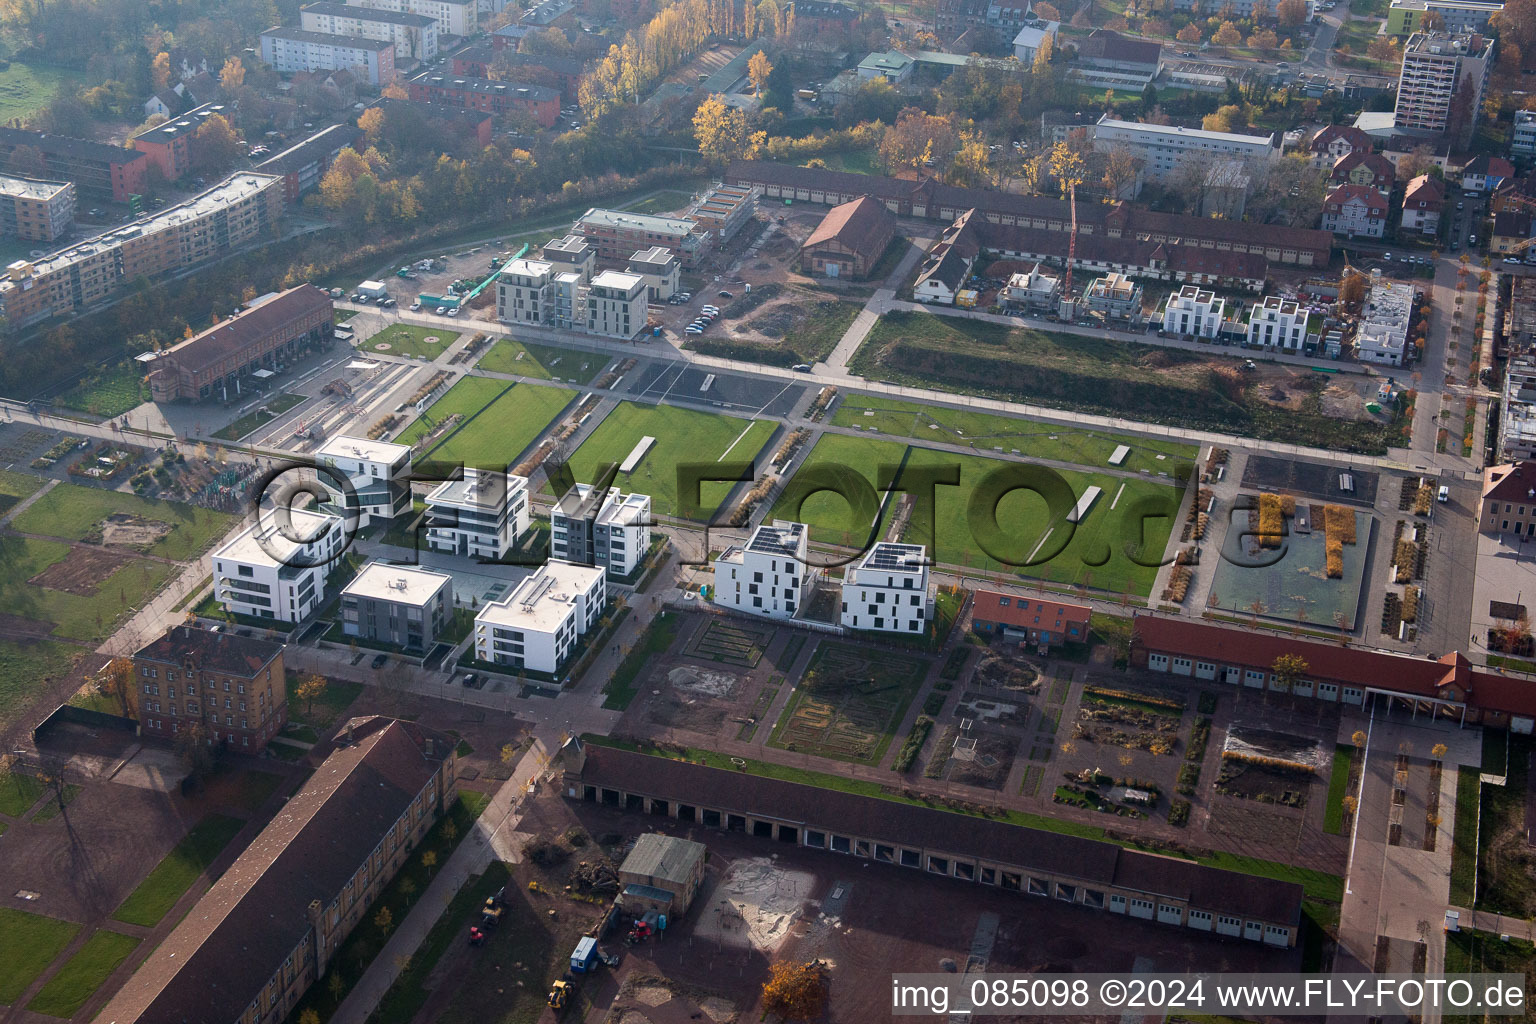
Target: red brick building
pixel 1030 619
pixel 96 168
pixel 850 239
pixel 233 685
pixel 169 146
pixel 497 98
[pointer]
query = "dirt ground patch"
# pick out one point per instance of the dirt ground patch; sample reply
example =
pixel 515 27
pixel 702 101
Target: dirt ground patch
pixel 754 905
pixel 82 571
pixel 1006 673
pixel 17 627
pixel 983 760
pixel 124 529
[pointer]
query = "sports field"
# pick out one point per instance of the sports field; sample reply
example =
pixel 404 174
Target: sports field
pixel 1094 553
pixel 497 422
pixel 683 436
pixel 987 431
pixel 545 362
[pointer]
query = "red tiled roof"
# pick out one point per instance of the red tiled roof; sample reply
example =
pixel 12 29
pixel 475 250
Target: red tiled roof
pixel 1515 481
pixel 1357 138
pixel 1424 189
pixel 860 225
pixel 1367 194
pixel 1022 610
pixel 235 335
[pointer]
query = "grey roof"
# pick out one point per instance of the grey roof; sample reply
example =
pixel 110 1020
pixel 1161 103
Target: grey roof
pixel 665 857
pixel 324 143
pixel 223 652
pixel 299 35
pixel 369 14
pixel 63 145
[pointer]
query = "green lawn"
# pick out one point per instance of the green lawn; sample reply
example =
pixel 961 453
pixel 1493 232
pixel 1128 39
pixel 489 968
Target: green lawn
pixel 83 974
pixel 499 434
pixel 18 792
pixel 269 411
pixel 24 88
pixel 1464 837
pixel 1338 782
pixel 544 362
pixel 1318 884
pixel 108 392
pixel 683 436
pixel 28 944
pixel 986 431
pixel 162 887
pixel 1094 552
pixel 1090 374
pixel 409 340
pixel 661 202
pixel 658 636
pixel 16 485
pixel 322 713
pixel 1505 883
pixel 25 667
pixel 74 616
pixel 72 512
pixel 467 397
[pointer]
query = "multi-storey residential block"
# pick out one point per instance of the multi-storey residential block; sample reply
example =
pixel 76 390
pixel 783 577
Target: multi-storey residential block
pixel 453 17
pixel 1195 312
pixel 1277 323
pixel 562 72
pixel 571 254
pixel 659 269
pixel 1113 295
pixel 608 529
pixel 480 516
pixel 474 126
pixel 376 474
pixel 535 627
pixel 1508 503
pixel 1032 35
pixel 276 568
pixel 36 211
pixel 617 234
pixel 723 210
pixel 1355 211
pixel 218 362
pixel 169 146
pixel 1435 66
pixel 615 305
pixel 231 685
pixel 1039 287
pixel 524 292
pixel 1522 139
pixel 402 605
pixel 888 590
pixel 213 224
pixel 768 575
pixel 1165 147
pixel 1240 8
pixel 95 168
pixel 302 165
pixel 1423 201
pixel 538 102
pixel 275 921
pixel 1406 17
pixel 413 35
pixel 296 49
pixel 1382 336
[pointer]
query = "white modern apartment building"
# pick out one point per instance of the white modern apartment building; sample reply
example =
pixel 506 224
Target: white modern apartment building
pixel 414 35
pixel 609 529
pixel 766 576
pixel 1194 311
pixel 1382 336
pixel 535 627
pixel 1434 64
pixel 293 49
pixel 1522 140
pixel 480 516
pixel 571 254
pixel 888 590
pixel 616 305
pixel 525 292
pixel 1277 323
pixel 1165 147
pixel 612 305
pixel 377 475
pixel 453 17
pixel 661 271
pixel 276 569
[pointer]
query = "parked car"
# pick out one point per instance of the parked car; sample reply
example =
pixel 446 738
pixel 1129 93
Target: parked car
pixel 471 680
pixel 415 306
pixel 379 661
pixel 691 329
pixel 801 367
pixel 454 311
pixel 442 310
pixel 724 294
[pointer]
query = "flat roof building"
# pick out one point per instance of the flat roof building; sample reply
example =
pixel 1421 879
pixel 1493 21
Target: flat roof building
pixel 535 627
pixel 1435 65
pixel 400 605
pixel 660 269
pixel 414 36
pixel 480 516
pixel 723 211
pixel 276 569
pixel 608 529
pixel 377 477
pixel 36 211
pixel 616 305
pixel 1029 618
pixel 617 234
pixel 169 146
pixel 96 168
pixel 571 254
pixel 294 49
pixel 768 575
pixel 1164 147
pixel 888 590
pixel 1382 334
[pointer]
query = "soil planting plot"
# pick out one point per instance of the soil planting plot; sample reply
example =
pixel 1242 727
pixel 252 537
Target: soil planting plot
pixel 124 529
pixel 984 708
pixel 1006 673
pixel 983 762
pixel 754 905
pixel 1301 752
pixel 1277 833
pixel 82 572
pixel 848 703
pixel 1123 718
pixel 733 643
pixel 1266 783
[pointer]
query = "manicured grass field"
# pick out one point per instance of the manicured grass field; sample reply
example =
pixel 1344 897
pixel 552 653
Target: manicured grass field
pixel 320 715
pixel 260 417
pixel 162 887
pixel 18 792
pixel 28 944
pixel 683 436
pixel 542 361
pixel 985 431
pixel 467 397
pixel 1505 884
pixel 72 512
pixel 109 392
pixel 1094 552
pixel 1338 781
pixel 14 487
pixel 1464 836
pixel 83 974
pixel 409 340
pixel 75 616
pixel 501 432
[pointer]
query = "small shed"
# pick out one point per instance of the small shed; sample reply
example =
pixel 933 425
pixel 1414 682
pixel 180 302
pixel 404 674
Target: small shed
pixel 662 873
pixel 585 955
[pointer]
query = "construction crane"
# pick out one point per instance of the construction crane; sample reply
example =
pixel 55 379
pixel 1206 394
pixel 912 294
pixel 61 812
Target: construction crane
pixel 1068 304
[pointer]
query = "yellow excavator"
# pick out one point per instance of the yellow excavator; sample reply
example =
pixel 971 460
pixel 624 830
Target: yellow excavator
pixel 559 995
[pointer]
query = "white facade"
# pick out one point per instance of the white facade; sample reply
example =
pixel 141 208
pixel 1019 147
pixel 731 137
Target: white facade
pixel 1195 312
pixel 612 530
pixel 480 516
pixel 289 50
pixel 616 306
pixel 414 35
pixel 536 626
pixel 660 270
pixel 766 577
pixel 1522 141
pixel 1165 147
pixel 455 17
pixel 613 305
pixel 1031 36
pixel 888 590
pixel 1277 323
pixel 277 570
pixel 377 472
pixel 524 292
pixel 571 254
pixel 1382 336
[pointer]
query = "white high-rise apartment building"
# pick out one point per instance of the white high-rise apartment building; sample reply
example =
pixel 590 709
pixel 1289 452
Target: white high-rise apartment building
pixel 888 590
pixel 453 17
pixel 767 576
pixel 414 35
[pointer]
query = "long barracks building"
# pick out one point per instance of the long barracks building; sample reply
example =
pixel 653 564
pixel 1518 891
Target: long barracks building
pixel 1094 874
pixel 928 199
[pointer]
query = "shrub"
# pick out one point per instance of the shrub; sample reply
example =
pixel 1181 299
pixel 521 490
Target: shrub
pixel 1333 549
pixel 1410 603
pixel 1339 522
pixel 907 755
pixel 1271 520
pixel 1178 813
